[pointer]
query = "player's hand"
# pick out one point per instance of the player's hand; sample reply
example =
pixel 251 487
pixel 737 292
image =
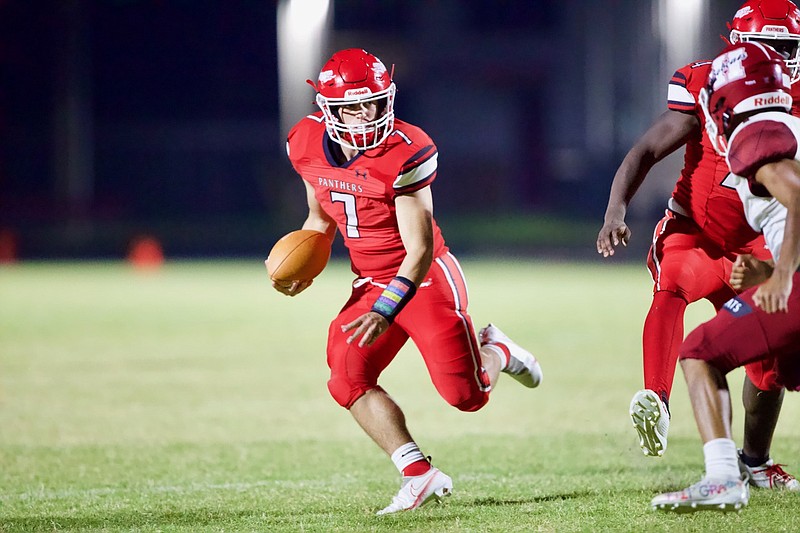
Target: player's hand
pixel 748 272
pixel 368 326
pixel 773 295
pixel 612 234
pixel 291 288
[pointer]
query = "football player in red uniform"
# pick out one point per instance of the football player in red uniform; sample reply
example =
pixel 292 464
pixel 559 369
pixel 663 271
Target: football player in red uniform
pixel 696 243
pixel 746 103
pixel 369 174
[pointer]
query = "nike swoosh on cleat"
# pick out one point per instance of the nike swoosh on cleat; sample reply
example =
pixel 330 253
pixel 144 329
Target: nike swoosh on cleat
pixel 420 491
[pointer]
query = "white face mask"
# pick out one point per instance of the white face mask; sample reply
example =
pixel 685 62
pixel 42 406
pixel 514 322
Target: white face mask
pixel 718 141
pixel 359 135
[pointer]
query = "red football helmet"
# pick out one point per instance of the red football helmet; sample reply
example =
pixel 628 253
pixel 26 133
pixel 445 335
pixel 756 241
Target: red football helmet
pixel 745 77
pixel 355 76
pixel 774 22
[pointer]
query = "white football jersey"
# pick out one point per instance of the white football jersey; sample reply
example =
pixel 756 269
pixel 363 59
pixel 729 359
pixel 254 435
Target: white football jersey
pixel 764 213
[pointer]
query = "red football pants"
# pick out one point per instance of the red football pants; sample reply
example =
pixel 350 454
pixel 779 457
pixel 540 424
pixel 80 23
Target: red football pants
pixel 436 319
pixel 743 333
pixel 683 261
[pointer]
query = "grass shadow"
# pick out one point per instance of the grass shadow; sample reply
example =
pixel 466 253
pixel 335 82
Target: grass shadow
pixel 490 502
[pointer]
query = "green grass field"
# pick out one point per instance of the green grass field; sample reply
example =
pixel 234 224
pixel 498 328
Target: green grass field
pixel 194 399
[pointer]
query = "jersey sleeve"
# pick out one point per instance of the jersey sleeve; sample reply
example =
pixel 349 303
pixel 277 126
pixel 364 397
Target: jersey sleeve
pixel 298 142
pixel 757 144
pixel 684 87
pixel 418 171
pixel 678 96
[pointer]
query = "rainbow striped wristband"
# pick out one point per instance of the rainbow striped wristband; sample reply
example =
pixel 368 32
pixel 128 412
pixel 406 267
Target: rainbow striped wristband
pixel 394 297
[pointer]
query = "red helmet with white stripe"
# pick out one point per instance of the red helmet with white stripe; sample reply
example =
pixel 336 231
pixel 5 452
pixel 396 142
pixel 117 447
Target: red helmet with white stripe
pixel 745 77
pixel 774 22
pixel 353 77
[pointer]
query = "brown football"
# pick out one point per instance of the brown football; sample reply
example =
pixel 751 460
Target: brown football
pixel 299 256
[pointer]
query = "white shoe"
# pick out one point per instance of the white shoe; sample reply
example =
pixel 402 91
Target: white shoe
pixel 770 475
pixel 651 420
pixel 706 494
pixel 416 491
pixel 522 365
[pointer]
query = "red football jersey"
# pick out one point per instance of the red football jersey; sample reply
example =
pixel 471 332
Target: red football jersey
pixel 359 194
pixel 699 190
pixel 716 208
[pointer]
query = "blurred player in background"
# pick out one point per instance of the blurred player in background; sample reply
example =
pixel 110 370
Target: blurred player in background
pixel 747 103
pixel 695 244
pixel 369 174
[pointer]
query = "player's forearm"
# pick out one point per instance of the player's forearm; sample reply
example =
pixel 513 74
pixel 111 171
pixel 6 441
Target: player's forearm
pixel 629 177
pixel 417 263
pixel 782 180
pixel 320 224
pixel 415 223
pixel 789 259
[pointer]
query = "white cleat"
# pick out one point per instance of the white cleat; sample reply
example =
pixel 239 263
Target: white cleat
pixel 416 491
pixel 705 495
pixel 770 475
pixel 651 420
pixel 522 365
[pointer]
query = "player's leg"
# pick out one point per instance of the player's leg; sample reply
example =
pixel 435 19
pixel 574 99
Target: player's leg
pixel 353 383
pixel 498 353
pixel 762 398
pixel 705 359
pixel 685 267
pixel 661 337
pixel 354 376
pixel 509 357
pixel 722 487
pixel 437 321
pixel 762 408
pixel 462 368
pixel 741 333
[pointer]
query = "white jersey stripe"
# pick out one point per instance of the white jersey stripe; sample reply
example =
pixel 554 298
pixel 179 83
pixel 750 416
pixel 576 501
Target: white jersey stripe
pixel 476 360
pixel 661 227
pixel 679 94
pixel 417 173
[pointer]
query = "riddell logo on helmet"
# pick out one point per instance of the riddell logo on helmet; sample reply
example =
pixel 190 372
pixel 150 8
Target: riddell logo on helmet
pixel 350 93
pixel 782 100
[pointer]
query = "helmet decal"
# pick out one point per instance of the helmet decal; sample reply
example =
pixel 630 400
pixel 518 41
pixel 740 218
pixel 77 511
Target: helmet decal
pixel 325 76
pixel 744 78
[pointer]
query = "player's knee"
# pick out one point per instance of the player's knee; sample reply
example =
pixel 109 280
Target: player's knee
pixel 763 376
pixel 674 292
pixel 468 403
pixel 694 346
pixel 344 392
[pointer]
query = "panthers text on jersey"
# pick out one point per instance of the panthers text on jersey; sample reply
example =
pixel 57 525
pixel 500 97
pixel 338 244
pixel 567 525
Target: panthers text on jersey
pixel 359 194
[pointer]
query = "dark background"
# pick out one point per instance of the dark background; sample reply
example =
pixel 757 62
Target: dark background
pixel 172 107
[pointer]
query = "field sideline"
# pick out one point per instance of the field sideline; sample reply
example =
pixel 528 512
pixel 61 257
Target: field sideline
pixel 194 399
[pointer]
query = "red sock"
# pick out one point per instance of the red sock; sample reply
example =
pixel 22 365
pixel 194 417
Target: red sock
pixel 417 468
pixel 661 341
